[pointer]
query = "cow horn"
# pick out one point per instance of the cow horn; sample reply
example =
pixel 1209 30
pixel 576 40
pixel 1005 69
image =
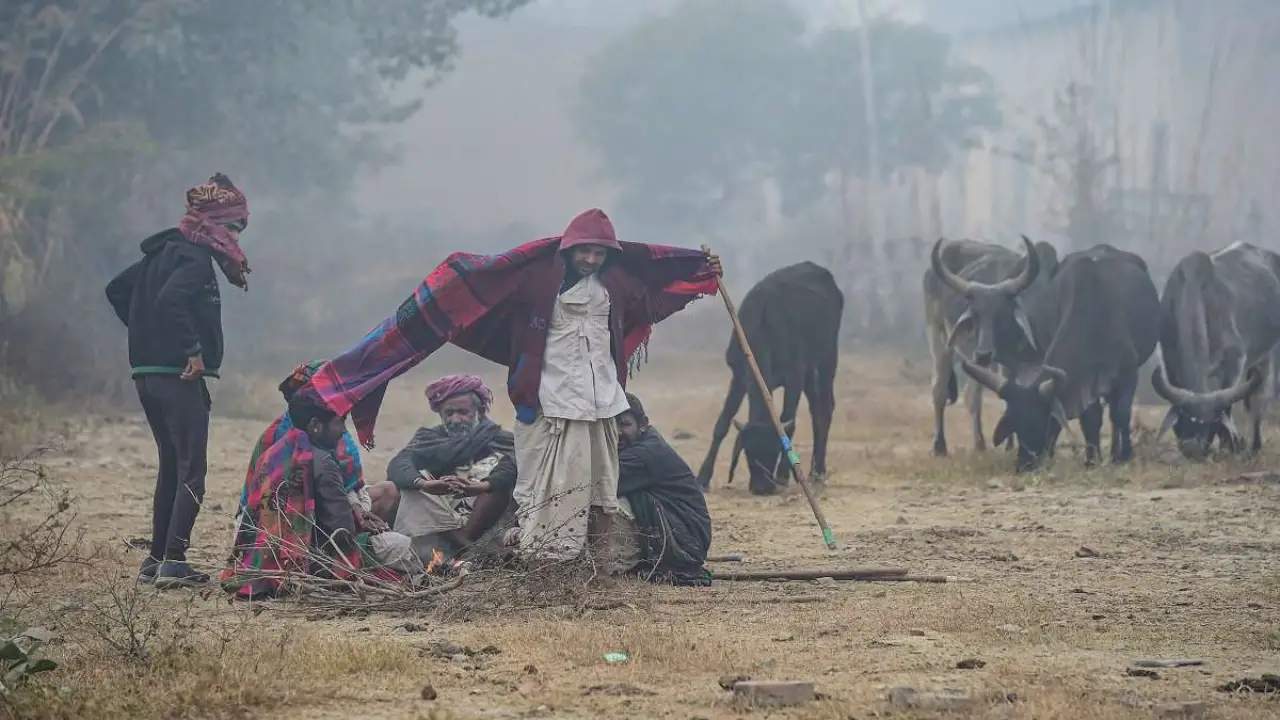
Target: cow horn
pixel 985 377
pixel 1206 403
pixel 1023 280
pixel 1056 380
pixel 1176 397
pixel 953 281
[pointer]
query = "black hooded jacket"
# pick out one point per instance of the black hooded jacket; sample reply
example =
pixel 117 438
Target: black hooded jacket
pixel 171 304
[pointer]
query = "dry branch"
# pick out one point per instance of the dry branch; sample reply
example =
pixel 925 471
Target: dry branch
pixel 865 573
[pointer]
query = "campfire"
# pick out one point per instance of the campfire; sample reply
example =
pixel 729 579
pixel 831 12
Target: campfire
pixel 440 567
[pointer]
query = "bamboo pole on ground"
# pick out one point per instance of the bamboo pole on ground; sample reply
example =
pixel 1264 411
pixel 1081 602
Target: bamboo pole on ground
pixel 793 457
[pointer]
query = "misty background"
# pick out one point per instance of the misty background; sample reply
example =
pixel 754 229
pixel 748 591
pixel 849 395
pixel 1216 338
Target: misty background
pixel 372 139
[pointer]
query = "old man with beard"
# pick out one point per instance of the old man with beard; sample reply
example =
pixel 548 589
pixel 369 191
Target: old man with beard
pixel 456 478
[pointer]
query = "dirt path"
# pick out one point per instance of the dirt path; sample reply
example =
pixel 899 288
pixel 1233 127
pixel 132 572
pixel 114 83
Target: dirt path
pixel 1075 575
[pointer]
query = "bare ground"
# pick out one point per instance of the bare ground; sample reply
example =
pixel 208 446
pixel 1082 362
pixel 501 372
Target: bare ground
pixel 1075 574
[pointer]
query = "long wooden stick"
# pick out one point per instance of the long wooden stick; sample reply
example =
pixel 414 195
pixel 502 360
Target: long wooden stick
pixel 792 456
pixel 864 573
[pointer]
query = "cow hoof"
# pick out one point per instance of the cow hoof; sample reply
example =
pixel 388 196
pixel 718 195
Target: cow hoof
pixel 980 446
pixel 939 450
pixel 763 491
pixel 818 478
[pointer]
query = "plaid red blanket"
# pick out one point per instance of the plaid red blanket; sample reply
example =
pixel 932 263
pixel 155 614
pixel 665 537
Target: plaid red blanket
pixel 277 536
pixel 499 307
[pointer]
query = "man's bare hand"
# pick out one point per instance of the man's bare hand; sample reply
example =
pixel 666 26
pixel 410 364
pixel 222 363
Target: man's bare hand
pixel 471 489
pixel 372 523
pixel 713 262
pixel 194 369
pixel 435 486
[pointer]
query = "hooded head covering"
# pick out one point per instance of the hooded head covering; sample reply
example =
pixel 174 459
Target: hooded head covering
pixel 454 385
pixel 590 227
pixel 210 207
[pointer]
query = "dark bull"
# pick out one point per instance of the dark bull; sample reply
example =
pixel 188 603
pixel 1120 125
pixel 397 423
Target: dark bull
pixel 791 319
pixel 1094 321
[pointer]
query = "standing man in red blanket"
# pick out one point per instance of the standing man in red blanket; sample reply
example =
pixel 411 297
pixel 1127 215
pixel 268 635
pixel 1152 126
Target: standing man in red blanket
pixel 565 315
pixel 567 435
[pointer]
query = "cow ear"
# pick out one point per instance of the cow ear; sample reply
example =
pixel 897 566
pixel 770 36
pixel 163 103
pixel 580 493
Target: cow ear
pixel 737 426
pixel 1004 430
pixel 1020 317
pixel 961 327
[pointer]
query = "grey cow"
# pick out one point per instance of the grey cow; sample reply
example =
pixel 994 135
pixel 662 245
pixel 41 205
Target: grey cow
pixel 1220 323
pixel 1094 323
pixel 974 294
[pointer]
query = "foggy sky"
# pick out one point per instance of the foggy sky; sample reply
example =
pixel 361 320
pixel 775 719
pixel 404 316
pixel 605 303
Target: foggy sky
pixel 494 144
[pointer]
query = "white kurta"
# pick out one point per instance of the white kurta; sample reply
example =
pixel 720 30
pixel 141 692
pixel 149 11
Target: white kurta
pixel 567 458
pixel 579 377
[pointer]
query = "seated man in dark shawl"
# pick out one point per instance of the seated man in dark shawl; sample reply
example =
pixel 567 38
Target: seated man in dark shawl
pixel 664 529
pixel 455 479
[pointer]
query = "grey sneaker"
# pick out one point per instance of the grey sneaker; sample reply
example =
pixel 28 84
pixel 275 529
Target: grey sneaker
pixel 147 573
pixel 178 574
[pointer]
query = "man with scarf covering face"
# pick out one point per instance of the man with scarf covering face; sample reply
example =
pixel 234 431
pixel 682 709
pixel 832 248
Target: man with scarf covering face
pixel 169 301
pixel 455 479
pixel 664 529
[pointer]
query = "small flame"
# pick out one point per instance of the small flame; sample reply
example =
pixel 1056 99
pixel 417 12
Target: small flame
pixel 438 565
pixel 437 559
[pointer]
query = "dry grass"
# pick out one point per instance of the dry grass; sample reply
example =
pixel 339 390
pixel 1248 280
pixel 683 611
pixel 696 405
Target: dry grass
pixel 1184 564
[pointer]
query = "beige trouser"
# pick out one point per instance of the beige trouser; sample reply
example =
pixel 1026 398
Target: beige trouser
pixel 423 516
pixel 624 538
pixel 565 468
pixel 395 552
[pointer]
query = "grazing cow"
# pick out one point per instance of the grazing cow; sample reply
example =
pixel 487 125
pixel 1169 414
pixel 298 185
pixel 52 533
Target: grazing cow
pixel 973 297
pixel 1219 328
pixel 792 322
pixel 1095 324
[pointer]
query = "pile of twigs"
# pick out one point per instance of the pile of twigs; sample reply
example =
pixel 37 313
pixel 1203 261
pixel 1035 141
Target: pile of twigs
pixel 474 593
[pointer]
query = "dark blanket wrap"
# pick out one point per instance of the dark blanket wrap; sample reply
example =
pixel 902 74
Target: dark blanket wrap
pixel 433 450
pixel 670 510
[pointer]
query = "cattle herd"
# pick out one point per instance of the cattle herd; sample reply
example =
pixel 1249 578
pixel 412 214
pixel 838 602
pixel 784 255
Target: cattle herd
pixel 1056 339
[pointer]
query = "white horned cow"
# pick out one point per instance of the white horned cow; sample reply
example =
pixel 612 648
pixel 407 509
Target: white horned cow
pixel 974 296
pixel 1219 328
pixel 1093 325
